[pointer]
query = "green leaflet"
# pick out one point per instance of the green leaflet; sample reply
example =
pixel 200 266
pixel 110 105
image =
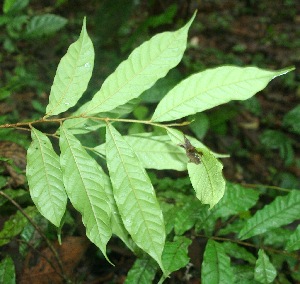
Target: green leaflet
pixel 142 272
pixel 73 74
pixel 265 271
pixel 45 178
pixel 237 251
pixel 145 65
pixel 84 182
pixel 216 267
pixel 283 210
pixel 175 254
pixel 135 196
pixel 7 271
pixel 294 241
pixel 211 88
pixel 46 24
pixel 207 179
pixel 15 224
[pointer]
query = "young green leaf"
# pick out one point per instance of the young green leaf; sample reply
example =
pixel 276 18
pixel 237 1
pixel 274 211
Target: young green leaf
pixel 134 195
pixel 73 74
pixel 45 178
pixel 145 65
pixel 142 272
pixel 216 267
pixel 207 178
pixel 7 271
pixel 211 88
pixel 175 254
pixel 265 271
pixel 294 241
pixel 283 210
pixel 84 182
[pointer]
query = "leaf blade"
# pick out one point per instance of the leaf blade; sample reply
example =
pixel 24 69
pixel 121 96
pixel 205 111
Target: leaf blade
pixel 283 210
pixel 135 196
pixel 72 75
pixel 212 87
pixel 145 65
pixel 265 271
pixel 207 179
pixel 83 179
pixel 45 178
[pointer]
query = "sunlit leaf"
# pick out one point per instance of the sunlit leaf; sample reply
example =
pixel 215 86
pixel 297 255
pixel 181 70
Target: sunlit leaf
pixel 211 88
pixel 144 66
pixel 207 179
pixel 45 178
pixel 283 210
pixel 175 254
pixel 134 195
pixel 7 271
pixel 72 75
pixel 216 267
pixel 265 271
pixel 83 179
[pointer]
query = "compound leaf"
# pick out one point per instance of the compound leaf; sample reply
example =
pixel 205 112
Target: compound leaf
pixel 145 65
pixel 265 271
pixel 207 179
pixel 45 178
pixel 216 267
pixel 73 74
pixel 134 195
pixel 283 210
pixel 211 88
pixel 84 182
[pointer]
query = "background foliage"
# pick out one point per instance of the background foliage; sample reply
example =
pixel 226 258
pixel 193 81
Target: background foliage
pixel 260 134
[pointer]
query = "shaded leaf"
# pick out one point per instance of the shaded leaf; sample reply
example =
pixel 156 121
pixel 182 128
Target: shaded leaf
pixel 72 75
pixel 13 194
pixel 207 179
pixel 265 271
pixel 45 178
pixel 45 24
pixel 84 182
pixel 15 224
pixel 144 66
pixel 142 272
pixel 7 271
pixel 283 210
pixel 292 118
pixel 211 88
pixel 216 265
pixel 134 195
pixel 294 241
pixel 175 254
pixel 236 251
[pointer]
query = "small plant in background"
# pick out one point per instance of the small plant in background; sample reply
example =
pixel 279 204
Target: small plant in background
pixel 108 183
